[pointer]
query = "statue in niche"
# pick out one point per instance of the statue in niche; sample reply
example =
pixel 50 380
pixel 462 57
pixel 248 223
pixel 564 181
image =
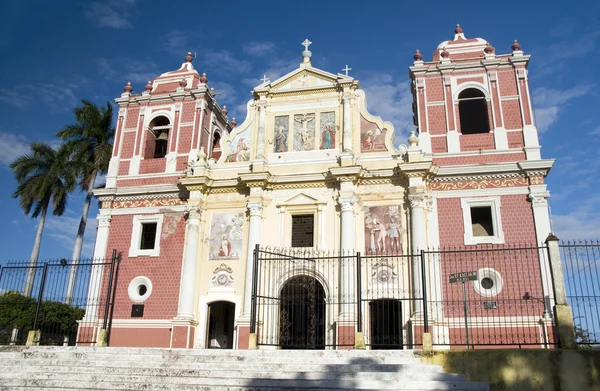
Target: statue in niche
pixel 304 132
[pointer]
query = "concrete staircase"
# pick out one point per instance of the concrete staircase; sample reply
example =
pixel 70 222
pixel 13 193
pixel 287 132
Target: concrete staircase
pixel 88 368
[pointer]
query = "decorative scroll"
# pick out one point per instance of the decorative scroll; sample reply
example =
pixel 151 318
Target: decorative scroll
pixel 482 184
pixel 222 277
pixel 151 203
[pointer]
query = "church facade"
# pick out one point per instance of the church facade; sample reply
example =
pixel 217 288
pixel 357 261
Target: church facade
pixel 191 193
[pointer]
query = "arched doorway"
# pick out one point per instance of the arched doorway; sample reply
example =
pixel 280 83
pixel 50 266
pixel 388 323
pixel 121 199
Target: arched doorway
pixel 221 316
pixel 302 314
pixel 386 324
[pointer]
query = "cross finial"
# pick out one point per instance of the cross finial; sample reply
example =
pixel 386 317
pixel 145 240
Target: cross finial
pixel 265 79
pixel 347 69
pixel 306 44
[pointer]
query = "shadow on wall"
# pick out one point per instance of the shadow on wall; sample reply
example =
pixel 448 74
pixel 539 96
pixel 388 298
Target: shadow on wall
pixel 524 369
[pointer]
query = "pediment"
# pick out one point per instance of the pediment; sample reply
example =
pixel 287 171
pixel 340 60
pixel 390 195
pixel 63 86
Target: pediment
pixel 304 78
pixel 301 199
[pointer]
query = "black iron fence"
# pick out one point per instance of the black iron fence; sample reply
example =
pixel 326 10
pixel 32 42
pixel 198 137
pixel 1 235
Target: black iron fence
pixel 493 295
pixel 67 302
pixel 581 269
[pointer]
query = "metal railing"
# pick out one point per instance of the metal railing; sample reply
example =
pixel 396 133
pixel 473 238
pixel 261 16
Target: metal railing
pixel 39 297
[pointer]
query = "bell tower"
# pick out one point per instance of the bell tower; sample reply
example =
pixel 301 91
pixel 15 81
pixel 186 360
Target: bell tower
pixel 472 105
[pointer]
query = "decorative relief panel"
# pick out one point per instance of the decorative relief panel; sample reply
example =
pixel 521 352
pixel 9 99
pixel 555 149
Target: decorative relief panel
pixel 479 184
pixel 222 277
pixel 226 236
pixel 327 128
pixel 280 138
pixel 239 147
pixel 304 132
pixel 372 138
pixel 383 226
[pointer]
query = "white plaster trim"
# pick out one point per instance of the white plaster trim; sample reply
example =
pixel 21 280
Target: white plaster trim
pixel 479 192
pixel 475 153
pixel 494 203
pixel 132 289
pixel 136 235
pixel 493 275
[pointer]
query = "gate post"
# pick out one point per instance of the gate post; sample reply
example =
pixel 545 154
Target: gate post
pixel 562 310
pixel 427 343
pixel 359 338
pixel 252 341
pixel 33 338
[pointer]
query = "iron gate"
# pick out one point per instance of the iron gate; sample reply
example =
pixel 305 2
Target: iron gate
pixel 302 299
pixel 67 301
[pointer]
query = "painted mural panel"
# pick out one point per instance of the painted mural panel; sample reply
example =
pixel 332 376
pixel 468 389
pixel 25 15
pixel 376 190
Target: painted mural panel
pixel 282 124
pixel 226 236
pixel 304 132
pixel 327 127
pixel 383 228
pixel 372 139
pixel 239 147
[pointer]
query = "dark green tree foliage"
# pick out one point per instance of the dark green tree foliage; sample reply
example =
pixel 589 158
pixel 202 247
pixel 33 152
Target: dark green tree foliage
pixel 56 320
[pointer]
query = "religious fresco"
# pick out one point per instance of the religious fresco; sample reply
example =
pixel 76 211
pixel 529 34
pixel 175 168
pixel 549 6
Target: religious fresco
pixel 282 124
pixel 304 132
pixel 372 139
pixel 383 229
pixel 327 128
pixel 226 236
pixel 239 147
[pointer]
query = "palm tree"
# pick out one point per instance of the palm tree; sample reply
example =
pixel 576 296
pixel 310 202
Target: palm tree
pixel 43 181
pixel 88 145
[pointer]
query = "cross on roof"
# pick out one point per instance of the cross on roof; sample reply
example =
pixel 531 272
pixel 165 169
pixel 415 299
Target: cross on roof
pixel 265 79
pixel 347 69
pixel 306 44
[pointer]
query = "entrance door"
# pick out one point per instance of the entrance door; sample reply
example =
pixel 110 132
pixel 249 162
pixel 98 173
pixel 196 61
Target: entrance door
pixel 386 324
pixel 220 325
pixel 302 314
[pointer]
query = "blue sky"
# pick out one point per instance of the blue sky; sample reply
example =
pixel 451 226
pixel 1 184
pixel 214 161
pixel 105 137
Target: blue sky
pixel 55 53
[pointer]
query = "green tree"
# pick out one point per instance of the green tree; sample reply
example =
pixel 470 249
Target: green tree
pixel 88 144
pixel 43 181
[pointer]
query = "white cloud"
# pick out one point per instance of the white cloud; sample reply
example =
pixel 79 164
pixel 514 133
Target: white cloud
pixel 136 71
pixel 175 42
pixel 224 62
pixel 112 13
pixel 391 99
pixel 577 225
pixel 12 146
pixel 57 95
pixel 549 102
pixel 595 132
pixel 258 48
pixel 63 229
pixel 562 52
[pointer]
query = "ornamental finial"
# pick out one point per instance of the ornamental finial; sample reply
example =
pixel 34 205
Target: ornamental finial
pixel 306 54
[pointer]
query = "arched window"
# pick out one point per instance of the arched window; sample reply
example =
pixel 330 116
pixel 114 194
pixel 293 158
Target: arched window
pixel 473 112
pixel 216 145
pixel 156 143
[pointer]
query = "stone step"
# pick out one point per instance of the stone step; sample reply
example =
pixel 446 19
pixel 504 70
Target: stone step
pixel 218 384
pixel 8 350
pixel 191 370
pixel 183 377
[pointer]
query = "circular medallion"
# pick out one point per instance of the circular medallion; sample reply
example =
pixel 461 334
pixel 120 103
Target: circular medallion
pixel 222 279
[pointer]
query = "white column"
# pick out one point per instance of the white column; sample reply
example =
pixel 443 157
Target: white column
pixel 418 242
pixel 538 195
pixel 95 284
pixel 347 310
pixel 254 232
pixel 260 145
pixel 190 261
pixel 347 136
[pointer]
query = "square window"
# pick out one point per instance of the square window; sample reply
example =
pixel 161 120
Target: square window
pixel 148 236
pixel 481 221
pixel 145 236
pixel 303 227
